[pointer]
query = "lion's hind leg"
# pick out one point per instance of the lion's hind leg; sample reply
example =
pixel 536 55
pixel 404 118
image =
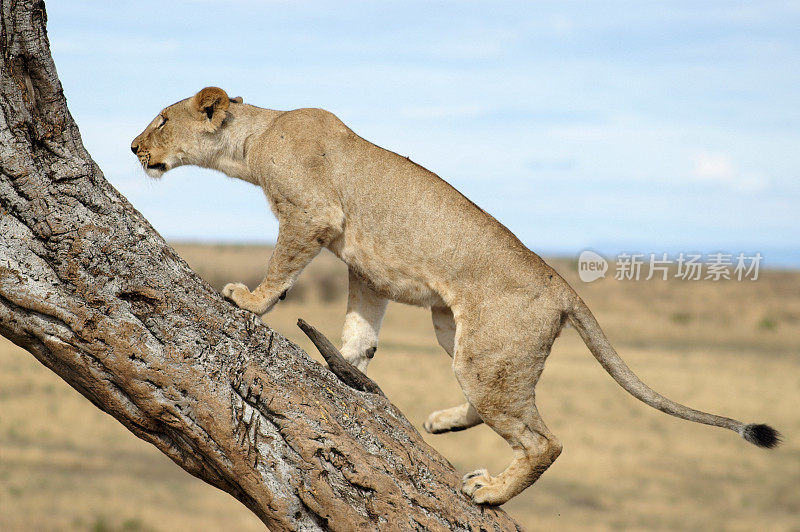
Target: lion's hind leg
pixel 498 377
pixel 535 449
pixel 452 419
pixel 458 417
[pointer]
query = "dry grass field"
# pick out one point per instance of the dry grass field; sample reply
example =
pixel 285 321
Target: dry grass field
pixel 731 348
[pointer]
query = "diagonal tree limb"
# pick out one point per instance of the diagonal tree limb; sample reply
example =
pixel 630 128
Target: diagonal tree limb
pixel 94 293
pixel 347 373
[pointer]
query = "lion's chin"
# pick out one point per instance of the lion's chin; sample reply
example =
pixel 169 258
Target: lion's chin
pixel 156 170
pixel 155 173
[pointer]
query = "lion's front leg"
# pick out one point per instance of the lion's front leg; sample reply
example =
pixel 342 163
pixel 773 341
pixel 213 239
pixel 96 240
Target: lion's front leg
pixel 300 239
pixel 365 310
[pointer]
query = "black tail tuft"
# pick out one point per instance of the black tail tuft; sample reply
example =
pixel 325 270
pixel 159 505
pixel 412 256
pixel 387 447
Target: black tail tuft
pixel 762 435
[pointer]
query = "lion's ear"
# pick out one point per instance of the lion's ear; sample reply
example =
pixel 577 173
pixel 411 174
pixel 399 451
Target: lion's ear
pixel 211 102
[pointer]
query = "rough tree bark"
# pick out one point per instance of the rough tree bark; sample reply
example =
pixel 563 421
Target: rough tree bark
pixel 95 294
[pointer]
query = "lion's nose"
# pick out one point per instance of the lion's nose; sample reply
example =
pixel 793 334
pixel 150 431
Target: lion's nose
pixel 134 149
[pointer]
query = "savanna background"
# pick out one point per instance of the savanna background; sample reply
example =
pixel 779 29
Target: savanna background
pixel 649 127
pixel 726 347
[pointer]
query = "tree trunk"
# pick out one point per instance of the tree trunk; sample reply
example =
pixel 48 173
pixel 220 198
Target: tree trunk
pixel 96 295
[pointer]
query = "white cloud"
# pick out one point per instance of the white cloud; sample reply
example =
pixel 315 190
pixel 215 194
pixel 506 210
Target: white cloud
pixel 719 168
pixel 713 167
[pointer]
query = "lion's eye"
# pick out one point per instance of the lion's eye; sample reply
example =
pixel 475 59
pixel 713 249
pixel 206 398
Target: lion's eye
pixel 163 121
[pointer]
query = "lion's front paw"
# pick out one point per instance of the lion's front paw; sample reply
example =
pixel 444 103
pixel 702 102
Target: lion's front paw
pixel 235 292
pixel 245 299
pixel 241 296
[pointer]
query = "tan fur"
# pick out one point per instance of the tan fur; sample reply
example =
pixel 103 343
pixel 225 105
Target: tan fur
pixel 408 236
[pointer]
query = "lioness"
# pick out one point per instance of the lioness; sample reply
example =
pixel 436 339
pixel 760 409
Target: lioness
pixel 409 236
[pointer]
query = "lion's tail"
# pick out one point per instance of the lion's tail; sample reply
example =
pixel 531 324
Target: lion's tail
pixel 582 319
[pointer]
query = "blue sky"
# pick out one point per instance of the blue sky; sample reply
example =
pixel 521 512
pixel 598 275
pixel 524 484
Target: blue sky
pixel 638 126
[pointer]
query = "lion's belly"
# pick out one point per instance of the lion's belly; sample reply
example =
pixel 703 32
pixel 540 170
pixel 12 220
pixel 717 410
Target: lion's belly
pixel 389 275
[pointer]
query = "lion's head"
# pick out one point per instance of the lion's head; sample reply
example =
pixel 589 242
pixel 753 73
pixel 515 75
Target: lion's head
pixel 183 133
